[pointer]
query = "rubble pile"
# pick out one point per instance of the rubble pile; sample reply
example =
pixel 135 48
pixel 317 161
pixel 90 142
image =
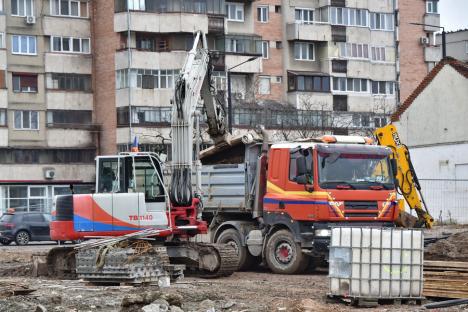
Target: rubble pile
pixel 452 248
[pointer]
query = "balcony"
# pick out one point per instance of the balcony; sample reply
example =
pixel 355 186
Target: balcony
pixel 150 60
pixel 432 53
pixel 216 24
pixel 371 70
pixel 68 63
pixel 309 32
pixel 161 23
pixel 3 98
pixel 431 19
pixel 67 27
pixel 75 137
pixel 252 67
pixel 58 99
pixel 144 97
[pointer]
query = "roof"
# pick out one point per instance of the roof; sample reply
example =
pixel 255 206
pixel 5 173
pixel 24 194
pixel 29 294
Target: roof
pixel 306 73
pixel 459 66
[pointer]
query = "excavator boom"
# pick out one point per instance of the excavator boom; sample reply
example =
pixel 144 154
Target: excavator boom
pixel 408 183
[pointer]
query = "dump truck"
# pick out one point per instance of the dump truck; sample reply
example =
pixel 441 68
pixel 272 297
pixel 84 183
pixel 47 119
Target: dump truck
pixel 278 202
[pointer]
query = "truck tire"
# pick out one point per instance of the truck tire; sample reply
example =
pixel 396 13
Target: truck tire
pixel 232 237
pixel 284 255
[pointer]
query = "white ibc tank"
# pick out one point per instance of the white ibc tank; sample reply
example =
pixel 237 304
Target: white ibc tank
pixel 376 262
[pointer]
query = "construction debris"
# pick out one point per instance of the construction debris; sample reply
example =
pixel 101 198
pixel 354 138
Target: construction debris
pixel 446 279
pixel 8 289
pixel 453 248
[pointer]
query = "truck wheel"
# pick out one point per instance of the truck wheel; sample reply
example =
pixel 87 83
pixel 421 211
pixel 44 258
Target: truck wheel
pixel 232 237
pixel 22 238
pixel 284 255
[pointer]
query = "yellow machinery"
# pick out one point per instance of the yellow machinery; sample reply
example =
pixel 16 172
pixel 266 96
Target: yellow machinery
pixel 408 183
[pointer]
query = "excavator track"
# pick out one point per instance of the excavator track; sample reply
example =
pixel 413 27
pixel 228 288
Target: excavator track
pixel 226 255
pixel 61 263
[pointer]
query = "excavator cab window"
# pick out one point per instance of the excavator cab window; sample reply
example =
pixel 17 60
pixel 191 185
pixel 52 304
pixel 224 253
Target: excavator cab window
pixel 110 176
pixel 145 177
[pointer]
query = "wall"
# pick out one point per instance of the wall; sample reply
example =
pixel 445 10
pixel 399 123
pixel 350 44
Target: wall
pixel 438 114
pixel 69 172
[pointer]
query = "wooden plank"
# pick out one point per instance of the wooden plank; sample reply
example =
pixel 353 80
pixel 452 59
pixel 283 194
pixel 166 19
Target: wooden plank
pixel 454 274
pixel 445 270
pixel 447 288
pixel 446 264
pixel 445 294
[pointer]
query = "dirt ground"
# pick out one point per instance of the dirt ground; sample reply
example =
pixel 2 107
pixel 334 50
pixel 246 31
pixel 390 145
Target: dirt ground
pixel 243 291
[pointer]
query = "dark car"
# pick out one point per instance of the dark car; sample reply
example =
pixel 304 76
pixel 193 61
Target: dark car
pixel 23 227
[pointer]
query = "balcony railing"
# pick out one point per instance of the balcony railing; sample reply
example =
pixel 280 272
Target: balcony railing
pixel 215 7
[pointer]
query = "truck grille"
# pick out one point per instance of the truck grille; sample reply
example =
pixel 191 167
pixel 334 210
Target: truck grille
pixel 361 209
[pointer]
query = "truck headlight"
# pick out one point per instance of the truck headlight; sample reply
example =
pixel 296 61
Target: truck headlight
pixel 323 232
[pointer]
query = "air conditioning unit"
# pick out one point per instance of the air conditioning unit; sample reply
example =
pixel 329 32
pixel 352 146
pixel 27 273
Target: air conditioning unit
pixel 49 174
pixel 30 20
pixel 424 40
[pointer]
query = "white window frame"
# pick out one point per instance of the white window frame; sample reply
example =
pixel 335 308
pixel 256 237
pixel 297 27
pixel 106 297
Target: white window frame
pixel 260 90
pixel 385 17
pixel 348 15
pixel 306 57
pixel 30 118
pixel 136 5
pixel 238 7
pixel 72 40
pixel 24 5
pixel 310 13
pixel 2 40
pixel 389 86
pixel 59 6
pixel 430 7
pixel 263 17
pixel 379 56
pixel 20 37
pixel 354 82
pixel 265 49
pixel 1 5
pixel 347 48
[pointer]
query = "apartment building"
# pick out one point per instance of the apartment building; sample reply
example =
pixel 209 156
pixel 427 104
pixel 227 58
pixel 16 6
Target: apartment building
pixel 457 44
pixel 47 138
pixel 418 51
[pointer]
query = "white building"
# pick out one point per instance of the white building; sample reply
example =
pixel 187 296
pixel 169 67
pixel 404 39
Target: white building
pixel 433 123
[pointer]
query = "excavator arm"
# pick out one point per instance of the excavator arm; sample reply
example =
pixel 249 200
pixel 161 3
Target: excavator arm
pixel 408 183
pixel 193 88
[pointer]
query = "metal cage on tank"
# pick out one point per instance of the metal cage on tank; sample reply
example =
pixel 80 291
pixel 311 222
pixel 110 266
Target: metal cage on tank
pixel 376 263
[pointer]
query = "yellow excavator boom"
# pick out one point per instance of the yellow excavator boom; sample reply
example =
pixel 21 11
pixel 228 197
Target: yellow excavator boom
pixel 408 183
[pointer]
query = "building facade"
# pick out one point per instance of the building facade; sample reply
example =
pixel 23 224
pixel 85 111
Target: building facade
pixel 81 78
pixel 457 44
pixel 418 51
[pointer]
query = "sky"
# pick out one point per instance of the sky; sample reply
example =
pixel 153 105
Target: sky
pixel 453 14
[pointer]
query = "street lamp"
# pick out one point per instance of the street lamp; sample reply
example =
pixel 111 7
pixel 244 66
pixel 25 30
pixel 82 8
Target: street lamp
pixel 444 48
pixel 230 110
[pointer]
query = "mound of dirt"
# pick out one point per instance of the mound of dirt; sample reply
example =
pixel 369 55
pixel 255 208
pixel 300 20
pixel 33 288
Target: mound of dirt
pixel 453 248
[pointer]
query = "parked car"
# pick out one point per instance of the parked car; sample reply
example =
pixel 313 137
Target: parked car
pixel 23 227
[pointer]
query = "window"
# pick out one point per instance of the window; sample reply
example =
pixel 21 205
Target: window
pixel 24 83
pixel 3 119
pixel 277 8
pixel 361 121
pixel 279 45
pixel 304 51
pixel 381 21
pixel 24 45
pixel 348 17
pixel 383 87
pixel 70 44
pixel 22 7
pixel 121 80
pixel 380 121
pixel 72 8
pixel 152 43
pixel 136 5
pixel 262 14
pixel 378 54
pixel 69 82
pixel 2 39
pixel 304 16
pixel 145 115
pixel 264 85
pixel 309 83
pixel 265 49
pixel 344 84
pixel 293 169
pixel 432 6
pixel 354 50
pixel 68 117
pixel 27 120
pixel 235 12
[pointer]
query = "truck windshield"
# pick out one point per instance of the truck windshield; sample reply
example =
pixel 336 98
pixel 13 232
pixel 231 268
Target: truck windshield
pixel 354 171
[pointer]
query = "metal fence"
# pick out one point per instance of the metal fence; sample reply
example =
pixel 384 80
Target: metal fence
pixel 447 200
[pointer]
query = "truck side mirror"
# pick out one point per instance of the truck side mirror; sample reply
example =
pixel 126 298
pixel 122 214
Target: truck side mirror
pixel 302 179
pixel 301 167
pixel 393 164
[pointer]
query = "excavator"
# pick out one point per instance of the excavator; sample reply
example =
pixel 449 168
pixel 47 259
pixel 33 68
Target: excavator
pixel 144 228
pixel 408 183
